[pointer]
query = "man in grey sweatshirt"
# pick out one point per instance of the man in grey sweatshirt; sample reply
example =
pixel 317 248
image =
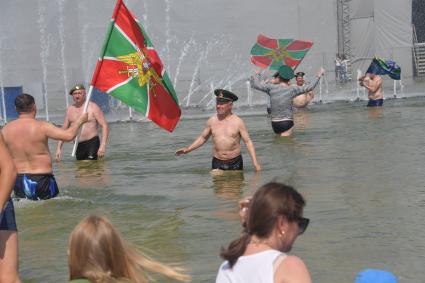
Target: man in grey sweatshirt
pixel 281 94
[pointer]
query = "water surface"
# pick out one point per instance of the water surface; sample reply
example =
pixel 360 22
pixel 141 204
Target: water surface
pixel 360 170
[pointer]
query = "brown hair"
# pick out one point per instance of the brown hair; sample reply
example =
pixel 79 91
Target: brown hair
pixel 98 253
pixel 268 203
pixel 24 103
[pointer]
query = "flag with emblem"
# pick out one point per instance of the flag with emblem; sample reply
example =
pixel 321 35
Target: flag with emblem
pixel 270 53
pixel 130 69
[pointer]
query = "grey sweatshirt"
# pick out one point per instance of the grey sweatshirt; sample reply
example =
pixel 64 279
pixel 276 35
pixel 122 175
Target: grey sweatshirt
pixel 281 96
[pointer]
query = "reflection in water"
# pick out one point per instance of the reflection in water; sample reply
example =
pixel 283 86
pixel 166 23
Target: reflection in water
pixel 91 173
pixel 375 112
pixel 301 119
pixel 228 184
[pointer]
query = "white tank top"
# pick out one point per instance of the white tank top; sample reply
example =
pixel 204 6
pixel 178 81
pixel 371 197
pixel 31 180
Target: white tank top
pixel 256 268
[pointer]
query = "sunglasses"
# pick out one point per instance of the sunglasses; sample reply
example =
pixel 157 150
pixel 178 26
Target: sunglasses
pixel 302 224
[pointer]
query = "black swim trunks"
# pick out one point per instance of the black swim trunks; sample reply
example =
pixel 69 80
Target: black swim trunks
pixel 7 218
pixel 87 150
pixel 36 186
pixel 282 126
pixel 231 164
pixel 375 103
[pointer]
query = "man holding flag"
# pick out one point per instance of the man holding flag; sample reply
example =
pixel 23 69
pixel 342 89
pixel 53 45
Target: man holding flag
pixel 89 147
pixel 372 81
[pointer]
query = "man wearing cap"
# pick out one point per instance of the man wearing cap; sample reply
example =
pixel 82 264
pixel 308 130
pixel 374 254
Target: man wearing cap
pixel 281 95
pixel 27 141
pixel 89 147
pixel 226 130
pixel 301 101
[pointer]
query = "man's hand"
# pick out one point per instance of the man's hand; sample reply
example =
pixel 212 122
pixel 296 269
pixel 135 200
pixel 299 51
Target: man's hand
pixel 101 151
pixel 258 71
pixel 58 154
pixel 320 72
pixel 257 167
pixel 182 151
pixel 83 118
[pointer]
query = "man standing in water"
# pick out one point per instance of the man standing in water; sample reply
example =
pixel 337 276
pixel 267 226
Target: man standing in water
pixel 373 83
pixel 8 231
pixel 89 147
pixel 27 141
pixel 226 129
pixel 301 101
pixel 281 96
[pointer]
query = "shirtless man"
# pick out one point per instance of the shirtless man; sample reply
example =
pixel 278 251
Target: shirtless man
pixel 226 130
pixel 373 83
pixel 302 100
pixel 27 141
pixel 8 231
pixel 89 146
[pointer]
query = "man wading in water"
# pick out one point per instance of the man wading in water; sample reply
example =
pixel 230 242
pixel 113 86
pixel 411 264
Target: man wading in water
pixel 226 130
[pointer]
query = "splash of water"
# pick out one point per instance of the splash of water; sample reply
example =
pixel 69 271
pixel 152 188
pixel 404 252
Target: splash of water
pixel 248 93
pixel 167 30
pixel 192 83
pixel 4 114
pixel 62 49
pixel 145 14
pixel 183 54
pixel 195 77
pixel 84 49
pixel 45 50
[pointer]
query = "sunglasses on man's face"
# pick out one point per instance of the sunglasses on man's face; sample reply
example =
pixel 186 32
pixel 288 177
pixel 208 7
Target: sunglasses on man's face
pixel 302 224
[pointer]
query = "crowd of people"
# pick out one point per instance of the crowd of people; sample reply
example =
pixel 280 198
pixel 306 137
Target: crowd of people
pixel 271 219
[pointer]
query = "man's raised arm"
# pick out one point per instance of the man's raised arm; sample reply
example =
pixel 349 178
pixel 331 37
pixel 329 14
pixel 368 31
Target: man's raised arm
pixel 69 134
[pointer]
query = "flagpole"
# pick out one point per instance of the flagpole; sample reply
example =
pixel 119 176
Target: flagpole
pixel 4 105
pixel 86 106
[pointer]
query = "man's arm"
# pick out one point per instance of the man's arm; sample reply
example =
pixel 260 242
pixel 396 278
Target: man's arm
pixel 7 174
pixel 309 87
pixel 100 118
pixel 249 145
pixel 69 134
pixel 206 133
pixel 257 82
pixel 374 85
pixel 65 126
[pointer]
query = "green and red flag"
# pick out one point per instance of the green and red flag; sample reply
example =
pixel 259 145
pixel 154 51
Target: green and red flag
pixel 130 69
pixel 269 53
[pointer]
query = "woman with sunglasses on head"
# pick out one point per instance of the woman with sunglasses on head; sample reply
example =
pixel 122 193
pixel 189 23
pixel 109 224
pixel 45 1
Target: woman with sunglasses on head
pixel 273 221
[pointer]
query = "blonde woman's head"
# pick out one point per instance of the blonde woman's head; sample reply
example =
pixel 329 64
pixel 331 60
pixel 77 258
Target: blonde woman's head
pixel 98 253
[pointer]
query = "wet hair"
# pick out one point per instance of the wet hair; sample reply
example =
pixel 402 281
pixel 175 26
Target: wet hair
pixel 268 203
pixel 24 103
pixel 98 253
